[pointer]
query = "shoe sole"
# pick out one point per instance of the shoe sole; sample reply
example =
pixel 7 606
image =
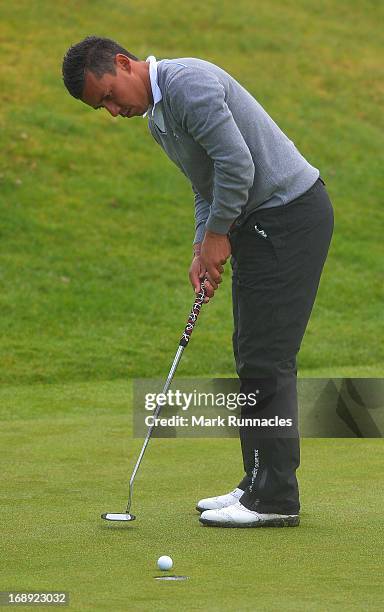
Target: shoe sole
pixel 204 509
pixel 199 509
pixel 292 521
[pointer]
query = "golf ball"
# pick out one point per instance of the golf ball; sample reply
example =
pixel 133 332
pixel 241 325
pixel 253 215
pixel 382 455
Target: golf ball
pixel 164 562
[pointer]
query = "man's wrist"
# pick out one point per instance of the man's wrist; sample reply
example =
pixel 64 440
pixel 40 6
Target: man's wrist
pixel 197 249
pixel 215 235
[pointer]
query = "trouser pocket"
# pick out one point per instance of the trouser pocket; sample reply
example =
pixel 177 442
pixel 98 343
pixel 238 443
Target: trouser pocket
pixel 277 261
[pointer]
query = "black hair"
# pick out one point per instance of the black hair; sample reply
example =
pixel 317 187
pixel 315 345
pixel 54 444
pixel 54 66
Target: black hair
pixel 93 53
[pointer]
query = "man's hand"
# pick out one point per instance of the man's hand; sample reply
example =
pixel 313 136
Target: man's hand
pixel 197 273
pixel 215 251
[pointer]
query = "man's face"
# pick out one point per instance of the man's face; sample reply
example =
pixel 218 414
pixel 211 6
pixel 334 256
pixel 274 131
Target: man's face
pixel 126 93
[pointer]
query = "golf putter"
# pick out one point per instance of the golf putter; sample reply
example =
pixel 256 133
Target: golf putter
pixel 199 300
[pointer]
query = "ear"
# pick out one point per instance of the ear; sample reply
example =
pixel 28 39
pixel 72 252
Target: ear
pixel 123 62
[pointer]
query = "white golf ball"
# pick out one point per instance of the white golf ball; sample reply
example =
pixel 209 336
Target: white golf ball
pixel 164 562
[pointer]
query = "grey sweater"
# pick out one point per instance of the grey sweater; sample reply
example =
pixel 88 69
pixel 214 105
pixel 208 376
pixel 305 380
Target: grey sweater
pixel 235 156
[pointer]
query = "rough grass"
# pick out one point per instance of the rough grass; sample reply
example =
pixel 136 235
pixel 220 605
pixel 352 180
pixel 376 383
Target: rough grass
pixel 96 223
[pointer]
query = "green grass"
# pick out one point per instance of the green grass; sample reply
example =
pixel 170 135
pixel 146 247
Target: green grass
pixel 96 222
pixel 96 229
pixel 67 455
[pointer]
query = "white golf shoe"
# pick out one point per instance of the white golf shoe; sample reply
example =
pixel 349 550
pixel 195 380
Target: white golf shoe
pixel 239 516
pixel 222 501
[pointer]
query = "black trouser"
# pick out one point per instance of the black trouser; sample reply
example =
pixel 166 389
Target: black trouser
pixel 277 259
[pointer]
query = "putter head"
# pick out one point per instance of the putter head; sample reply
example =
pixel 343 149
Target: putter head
pixel 110 516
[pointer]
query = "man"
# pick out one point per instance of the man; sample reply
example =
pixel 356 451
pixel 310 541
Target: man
pixel 257 200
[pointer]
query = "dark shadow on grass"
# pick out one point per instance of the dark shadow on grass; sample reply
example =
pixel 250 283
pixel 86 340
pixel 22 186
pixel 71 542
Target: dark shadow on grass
pixel 118 527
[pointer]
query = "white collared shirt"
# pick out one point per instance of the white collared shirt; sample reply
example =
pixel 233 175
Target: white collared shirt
pixel 156 93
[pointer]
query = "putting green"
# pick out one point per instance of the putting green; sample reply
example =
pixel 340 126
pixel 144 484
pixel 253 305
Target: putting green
pixel 67 456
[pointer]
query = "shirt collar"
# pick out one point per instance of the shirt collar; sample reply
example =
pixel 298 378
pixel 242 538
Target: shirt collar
pixel 156 93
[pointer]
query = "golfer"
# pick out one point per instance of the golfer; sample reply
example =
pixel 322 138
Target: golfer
pixel 259 202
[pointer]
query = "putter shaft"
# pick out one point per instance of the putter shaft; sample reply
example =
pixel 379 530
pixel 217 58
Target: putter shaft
pixel 182 344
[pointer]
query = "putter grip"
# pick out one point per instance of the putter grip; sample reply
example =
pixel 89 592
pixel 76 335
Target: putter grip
pixel 199 301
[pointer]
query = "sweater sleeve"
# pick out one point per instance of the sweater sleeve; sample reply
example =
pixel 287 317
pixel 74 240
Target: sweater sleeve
pixel 202 209
pixel 197 101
